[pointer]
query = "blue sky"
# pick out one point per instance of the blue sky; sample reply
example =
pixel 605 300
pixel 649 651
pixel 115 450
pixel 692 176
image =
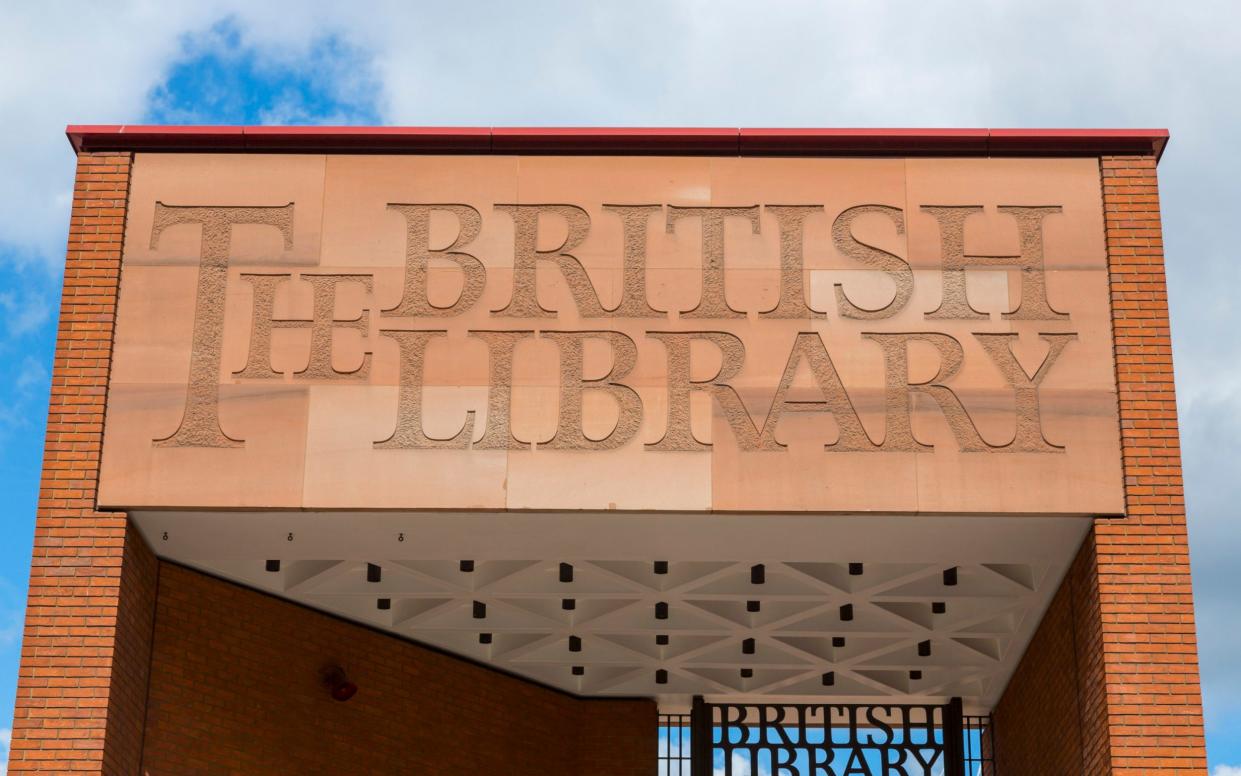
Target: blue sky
pixel 642 62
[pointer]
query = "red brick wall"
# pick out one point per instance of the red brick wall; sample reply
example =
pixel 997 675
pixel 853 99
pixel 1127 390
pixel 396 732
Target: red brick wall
pixel 82 679
pixel 131 656
pixel 1150 650
pixel 1129 595
pixel 1051 714
pixel 235 688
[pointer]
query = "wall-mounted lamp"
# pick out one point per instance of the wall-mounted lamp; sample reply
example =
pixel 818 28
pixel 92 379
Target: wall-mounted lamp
pixel 338 683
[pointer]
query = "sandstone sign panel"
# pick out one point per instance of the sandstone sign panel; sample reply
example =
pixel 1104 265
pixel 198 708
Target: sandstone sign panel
pixel 629 333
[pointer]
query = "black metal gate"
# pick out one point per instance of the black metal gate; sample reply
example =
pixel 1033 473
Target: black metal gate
pixel 827 739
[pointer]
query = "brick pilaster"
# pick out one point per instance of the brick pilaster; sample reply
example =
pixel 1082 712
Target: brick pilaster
pixel 1109 683
pixel 1149 646
pixel 81 689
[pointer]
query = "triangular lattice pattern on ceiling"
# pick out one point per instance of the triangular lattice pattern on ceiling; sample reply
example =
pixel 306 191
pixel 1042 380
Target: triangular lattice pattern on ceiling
pixel 624 628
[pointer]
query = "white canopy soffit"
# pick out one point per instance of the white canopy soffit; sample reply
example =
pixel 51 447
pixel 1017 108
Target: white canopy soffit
pixel 807 607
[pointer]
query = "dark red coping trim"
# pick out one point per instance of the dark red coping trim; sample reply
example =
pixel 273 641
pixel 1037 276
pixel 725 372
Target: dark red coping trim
pixel 869 142
pixel 1078 142
pixel 615 140
pixel 622 140
pixel 445 140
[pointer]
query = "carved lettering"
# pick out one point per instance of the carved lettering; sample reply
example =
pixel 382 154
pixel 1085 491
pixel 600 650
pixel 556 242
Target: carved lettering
pixel 899 392
pixel 200 423
pixel 262 322
pixel 1029 435
pixel 808 347
pixel 678 434
pixel 321 325
pixel 500 345
pixel 713 303
pixel 868 255
pixel 526 256
pixel 634 221
pixel 418 255
pixel 324 323
pixel 409 434
pixel 955 304
pixel 569 432
pixel 792 223
pixel 826 393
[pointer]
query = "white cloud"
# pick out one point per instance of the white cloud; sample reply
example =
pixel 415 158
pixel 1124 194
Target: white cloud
pixel 741 766
pixel 24 404
pixel 24 311
pixel 68 63
pixel 97 64
pixel 1226 770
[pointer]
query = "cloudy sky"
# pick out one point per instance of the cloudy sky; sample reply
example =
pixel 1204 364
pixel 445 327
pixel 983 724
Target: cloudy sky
pixel 703 62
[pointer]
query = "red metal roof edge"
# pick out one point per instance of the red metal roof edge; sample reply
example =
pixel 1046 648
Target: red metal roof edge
pixel 623 140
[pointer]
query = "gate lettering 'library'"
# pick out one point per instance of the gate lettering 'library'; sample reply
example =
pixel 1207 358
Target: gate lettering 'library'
pixel 653 451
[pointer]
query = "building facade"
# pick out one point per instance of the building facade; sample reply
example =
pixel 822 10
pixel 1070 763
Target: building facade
pixel 555 451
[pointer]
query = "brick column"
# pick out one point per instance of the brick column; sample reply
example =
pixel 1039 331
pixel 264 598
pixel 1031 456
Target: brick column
pixel 1149 646
pixel 81 691
pixel 1109 683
